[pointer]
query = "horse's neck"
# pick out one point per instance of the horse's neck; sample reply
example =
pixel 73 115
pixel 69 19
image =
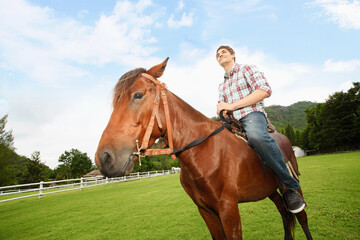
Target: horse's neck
pixel 187 123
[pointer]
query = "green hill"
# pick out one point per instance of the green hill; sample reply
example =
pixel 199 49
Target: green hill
pixel 294 114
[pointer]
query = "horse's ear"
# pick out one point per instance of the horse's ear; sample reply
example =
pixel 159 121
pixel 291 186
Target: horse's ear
pixel 158 70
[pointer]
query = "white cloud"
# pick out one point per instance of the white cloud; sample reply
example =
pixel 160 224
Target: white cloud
pixel 185 21
pixel 46 47
pixel 4 107
pixel 342 12
pixel 50 97
pixel 181 5
pixel 82 13
pixel 341 66
pixel 216 9
pixel 346 86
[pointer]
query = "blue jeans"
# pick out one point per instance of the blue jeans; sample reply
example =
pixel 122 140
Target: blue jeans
pixel 259 139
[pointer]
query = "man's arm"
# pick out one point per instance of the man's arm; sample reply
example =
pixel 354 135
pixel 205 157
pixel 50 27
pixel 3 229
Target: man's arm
pixel 255 97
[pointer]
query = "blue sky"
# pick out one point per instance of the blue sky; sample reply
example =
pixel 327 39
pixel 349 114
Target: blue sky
pixel 60 59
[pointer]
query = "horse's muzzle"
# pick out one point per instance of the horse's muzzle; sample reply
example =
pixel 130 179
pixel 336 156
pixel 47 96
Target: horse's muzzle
pixel 114 164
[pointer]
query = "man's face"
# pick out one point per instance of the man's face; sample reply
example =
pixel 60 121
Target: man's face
pixel 224 56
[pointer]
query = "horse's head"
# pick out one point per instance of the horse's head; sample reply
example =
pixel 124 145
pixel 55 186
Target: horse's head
pixel 133 102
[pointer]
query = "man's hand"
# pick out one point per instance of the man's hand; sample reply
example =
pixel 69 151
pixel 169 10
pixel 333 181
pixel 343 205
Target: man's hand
pixel 223 106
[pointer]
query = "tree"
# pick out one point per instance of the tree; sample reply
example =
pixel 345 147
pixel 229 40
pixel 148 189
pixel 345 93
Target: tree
pixel 304 136
pixel 74 163
pixel 313 126
pixel 61 172
pixel 334 125
pixel 35 169
pixel 6 137
pixel 7 176
pixel 297 138
pixel 339 120
pixel 289 132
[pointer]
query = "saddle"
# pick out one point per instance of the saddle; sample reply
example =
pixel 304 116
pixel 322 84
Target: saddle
pixel 237 128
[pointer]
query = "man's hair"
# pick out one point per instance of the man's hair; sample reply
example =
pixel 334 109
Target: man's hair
pixel 227 48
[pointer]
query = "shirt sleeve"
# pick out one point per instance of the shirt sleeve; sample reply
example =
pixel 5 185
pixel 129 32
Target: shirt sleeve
pixel 256 79
pixel 221 95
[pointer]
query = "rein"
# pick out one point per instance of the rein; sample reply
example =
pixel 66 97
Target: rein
pixel 143 150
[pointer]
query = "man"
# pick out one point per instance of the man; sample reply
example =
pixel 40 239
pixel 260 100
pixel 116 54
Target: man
pixel 243 90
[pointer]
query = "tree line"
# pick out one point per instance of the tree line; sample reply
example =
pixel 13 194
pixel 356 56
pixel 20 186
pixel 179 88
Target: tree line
pixel 16 169
pixel 331 126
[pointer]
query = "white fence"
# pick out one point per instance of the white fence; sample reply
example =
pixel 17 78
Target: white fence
pixel 44 188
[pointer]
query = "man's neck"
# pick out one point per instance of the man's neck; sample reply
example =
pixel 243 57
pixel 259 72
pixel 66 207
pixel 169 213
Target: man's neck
pixel 227 67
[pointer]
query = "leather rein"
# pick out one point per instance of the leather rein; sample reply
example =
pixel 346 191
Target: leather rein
pixel 143 150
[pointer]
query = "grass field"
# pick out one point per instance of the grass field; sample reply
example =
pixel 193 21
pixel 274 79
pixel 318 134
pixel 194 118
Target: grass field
pixel 158 208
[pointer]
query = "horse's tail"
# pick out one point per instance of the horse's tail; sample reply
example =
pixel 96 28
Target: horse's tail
pixel 290 219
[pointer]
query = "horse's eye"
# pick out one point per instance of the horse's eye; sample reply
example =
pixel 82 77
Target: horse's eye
pixel 137 96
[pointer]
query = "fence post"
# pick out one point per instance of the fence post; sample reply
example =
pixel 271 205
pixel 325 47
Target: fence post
pixel 81 183
pixel 41 189
pixel 138 174
pixel 106 180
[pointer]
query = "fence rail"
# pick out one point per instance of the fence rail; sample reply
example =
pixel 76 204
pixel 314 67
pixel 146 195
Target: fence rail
pixel 43 188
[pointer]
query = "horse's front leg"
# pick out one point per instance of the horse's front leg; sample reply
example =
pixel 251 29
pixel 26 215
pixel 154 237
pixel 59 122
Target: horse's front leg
pixel 230 219
pixel 212 222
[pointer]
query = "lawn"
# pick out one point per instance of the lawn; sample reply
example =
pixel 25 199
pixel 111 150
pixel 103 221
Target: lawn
pixel 158 208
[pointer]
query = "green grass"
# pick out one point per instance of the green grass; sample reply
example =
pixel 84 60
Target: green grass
pixel 158 208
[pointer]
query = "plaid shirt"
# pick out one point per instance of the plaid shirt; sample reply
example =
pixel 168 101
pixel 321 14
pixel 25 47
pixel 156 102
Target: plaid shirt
pixel 243 80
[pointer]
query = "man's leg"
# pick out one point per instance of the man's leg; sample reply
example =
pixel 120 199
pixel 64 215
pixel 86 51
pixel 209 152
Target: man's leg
pixel 255 125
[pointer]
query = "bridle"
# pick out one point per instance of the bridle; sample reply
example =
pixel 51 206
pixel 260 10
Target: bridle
pixel 143 150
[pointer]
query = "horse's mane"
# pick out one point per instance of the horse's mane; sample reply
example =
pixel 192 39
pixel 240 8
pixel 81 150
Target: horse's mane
pixel 125 83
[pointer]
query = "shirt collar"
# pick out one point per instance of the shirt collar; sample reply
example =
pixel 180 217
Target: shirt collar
pixel 235 68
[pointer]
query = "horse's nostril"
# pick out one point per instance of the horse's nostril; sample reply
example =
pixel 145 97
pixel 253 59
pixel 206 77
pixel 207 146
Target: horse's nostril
pixel 107 162
pixel 106 159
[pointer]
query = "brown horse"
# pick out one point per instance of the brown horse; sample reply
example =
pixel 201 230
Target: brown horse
pixel 217 174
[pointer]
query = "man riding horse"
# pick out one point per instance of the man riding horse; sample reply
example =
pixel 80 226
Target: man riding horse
pixel 243 90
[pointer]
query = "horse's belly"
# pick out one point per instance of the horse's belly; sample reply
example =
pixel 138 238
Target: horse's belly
pixel 256 187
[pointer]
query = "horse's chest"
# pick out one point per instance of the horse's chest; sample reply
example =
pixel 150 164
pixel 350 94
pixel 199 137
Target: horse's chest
pixel 201 190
